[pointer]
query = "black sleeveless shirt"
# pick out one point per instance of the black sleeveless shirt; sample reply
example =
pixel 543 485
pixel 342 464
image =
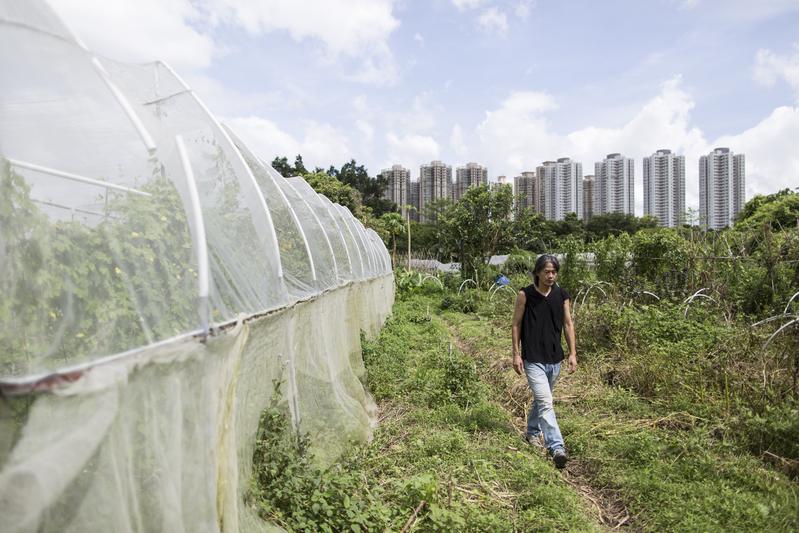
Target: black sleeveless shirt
pixel 542 324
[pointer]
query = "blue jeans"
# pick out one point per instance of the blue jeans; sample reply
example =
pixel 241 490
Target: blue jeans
pixel 541 419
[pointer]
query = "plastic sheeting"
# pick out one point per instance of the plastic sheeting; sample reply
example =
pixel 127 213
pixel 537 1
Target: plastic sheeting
pixel 156 280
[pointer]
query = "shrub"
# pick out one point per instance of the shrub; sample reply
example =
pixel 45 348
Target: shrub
pixel 289 488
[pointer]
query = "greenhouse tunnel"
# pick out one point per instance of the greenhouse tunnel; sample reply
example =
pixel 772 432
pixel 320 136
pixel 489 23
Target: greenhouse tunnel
pixel 158 284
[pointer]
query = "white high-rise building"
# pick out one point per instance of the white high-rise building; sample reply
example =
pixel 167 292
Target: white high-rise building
pixel 470 175
pixel 722 178
pixel 398 187
pixel 614 185
pixel 435 183
pixel 664 188
pixel 562 185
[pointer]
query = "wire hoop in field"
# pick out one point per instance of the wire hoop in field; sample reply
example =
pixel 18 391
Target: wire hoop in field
pixel 785 315
pixel 468 280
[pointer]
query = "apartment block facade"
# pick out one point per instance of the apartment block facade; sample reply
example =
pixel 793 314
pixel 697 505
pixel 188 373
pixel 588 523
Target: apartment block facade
pixel 413 195
pixel 562 185
pixel 588 197
pixel 614 185
pixel 722 179
pixel 469 175
pixel 526 191
pixel 397 189
pixel 435 183
pixel 664 188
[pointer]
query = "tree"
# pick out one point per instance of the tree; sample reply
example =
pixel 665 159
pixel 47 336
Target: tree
pixel 281 164
pixel 531 231
pixel 425 241
pixel 394 225
pixel 477 226
pixel 779 210
pixel 299 167
pixel 371 189
pixel 570 225
pixel 602 226
pixel 336 191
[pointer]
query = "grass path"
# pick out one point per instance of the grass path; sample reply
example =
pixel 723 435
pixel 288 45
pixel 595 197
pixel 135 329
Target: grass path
pixel 448 453
pixel 609 510
pixel 644 466
pixel 444 427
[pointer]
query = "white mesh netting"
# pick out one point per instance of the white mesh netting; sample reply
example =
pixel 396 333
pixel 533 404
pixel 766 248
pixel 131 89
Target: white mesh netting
pixel 156 280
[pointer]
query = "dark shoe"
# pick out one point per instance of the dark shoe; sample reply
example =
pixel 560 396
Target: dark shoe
pixel 559 457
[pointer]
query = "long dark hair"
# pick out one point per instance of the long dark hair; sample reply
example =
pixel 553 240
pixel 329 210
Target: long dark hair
pixel 541 263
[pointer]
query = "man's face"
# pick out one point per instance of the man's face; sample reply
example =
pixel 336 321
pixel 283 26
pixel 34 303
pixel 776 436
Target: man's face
pixel 548 276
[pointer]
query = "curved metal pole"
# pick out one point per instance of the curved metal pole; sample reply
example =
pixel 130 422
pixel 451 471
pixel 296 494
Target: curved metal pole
pixel 201 244
pixel 339 219
pixel 380 249
pixel 359 230
pixel 285 199
pixel 326 205
pixel 340 210
pixel 241 162
pixel 318 222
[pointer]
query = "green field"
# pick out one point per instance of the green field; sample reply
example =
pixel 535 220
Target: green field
pixel 658 443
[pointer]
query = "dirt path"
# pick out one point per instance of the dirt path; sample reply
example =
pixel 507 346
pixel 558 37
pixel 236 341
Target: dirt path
pixel 609 510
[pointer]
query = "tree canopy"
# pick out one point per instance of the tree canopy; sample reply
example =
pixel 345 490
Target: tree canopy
pixel 779 210
pixel 477 226
pixel 601 226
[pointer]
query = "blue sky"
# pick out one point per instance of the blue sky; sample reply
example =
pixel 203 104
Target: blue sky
pixel 505 83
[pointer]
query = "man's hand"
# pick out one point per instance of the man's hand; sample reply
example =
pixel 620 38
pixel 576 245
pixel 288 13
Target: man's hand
pixel 518 366
pixel 572 362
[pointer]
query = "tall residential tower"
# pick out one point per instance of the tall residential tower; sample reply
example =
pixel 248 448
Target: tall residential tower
pixel 722 178
pixel 562 184
pixel 470 175
pixel 435 183
pixel 614 185
pixel 664 187
pixel 398 187
pixel 525 189
pixel 588 197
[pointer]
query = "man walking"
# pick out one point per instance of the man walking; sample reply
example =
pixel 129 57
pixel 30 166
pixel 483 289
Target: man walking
pixel 542 311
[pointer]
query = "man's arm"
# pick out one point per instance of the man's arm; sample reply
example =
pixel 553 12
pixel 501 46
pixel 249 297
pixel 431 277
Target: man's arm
pixel 516 332
pixel 568 326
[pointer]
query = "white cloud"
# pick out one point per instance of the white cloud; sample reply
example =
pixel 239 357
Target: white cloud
pixel 344 26
pixel 523 8
pixel 421 117
pixel 366 129
pixel 463 5
pixel 140 31
pixel 688 5
pixel 418 38
pixel 493 20
pixel 377 68
pixel 320 145
pixel 228 101
pixel 351 28
pixel 517 132
pixel 517 136
pixel 324 145
pixel 410 149
pixel 772 161
pixel 182 32
pixel 769 67
pixel 456 141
